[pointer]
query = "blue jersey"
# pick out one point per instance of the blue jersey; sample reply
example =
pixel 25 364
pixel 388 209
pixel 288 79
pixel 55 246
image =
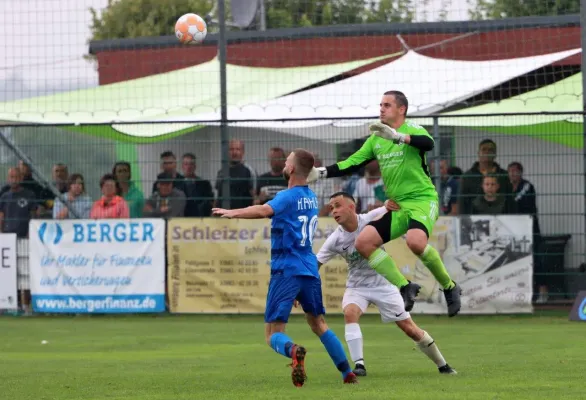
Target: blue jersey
pixel 292 227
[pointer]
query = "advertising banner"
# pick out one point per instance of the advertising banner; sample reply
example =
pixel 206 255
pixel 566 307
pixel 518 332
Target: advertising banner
pixel 97 266
pixel 8 273
pixel 223 266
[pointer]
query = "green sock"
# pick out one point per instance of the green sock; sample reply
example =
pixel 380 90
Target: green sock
pixel 382 263
pixel 432 260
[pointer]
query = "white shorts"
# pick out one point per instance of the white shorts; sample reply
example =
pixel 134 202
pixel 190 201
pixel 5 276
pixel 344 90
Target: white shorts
pixel 386 298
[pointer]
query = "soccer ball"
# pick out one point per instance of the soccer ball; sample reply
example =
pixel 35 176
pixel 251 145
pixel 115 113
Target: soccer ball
pixel 191 29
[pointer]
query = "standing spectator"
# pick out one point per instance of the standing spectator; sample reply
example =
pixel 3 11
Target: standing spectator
pixel 77 198
pixel 272 182
pixel 471 182
pixel 492 202
pixel 449 188
pixel 60 175
pixel 366 188
pixel 324 188
pixel 169 165
pixel 16 206
pixel 242 178
pixel 199 193
pixel 167 201
pixel 110 205
pixel 128 190
pixel 28 182
pixel 523 194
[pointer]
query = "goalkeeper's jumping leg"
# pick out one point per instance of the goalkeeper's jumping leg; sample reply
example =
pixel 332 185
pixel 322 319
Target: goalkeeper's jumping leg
pixel 417 241
pixel 369 243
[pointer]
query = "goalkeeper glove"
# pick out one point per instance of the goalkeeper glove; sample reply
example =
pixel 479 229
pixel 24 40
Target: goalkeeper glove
pixel 386 132
pixel 317 173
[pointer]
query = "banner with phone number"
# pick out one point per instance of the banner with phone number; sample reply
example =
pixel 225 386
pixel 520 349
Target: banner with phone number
pixel 222 266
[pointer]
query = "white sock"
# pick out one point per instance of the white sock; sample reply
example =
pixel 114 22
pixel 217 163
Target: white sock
pixel 428 347
pixel 354 340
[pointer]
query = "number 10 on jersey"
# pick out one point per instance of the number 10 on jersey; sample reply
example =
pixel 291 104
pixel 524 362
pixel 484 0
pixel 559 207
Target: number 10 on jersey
pixel 308 229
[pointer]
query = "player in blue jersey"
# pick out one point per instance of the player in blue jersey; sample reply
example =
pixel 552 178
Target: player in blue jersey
pixel 294 271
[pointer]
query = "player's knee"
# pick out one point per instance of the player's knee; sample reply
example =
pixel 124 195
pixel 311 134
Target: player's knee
pixel 352 314
pixel 367 241
pixel 317 324
pixel 416 240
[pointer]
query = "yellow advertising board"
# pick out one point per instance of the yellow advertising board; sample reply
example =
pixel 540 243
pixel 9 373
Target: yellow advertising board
pixel 223 266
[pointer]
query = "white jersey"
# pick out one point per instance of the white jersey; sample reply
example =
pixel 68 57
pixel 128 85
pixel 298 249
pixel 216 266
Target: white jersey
pixel 341 242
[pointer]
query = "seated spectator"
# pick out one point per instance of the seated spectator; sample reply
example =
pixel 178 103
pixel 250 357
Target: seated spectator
pixel 169 165
pixel 128 190
pixel 167 201
pixel 110 205
pixel 366 187
pixel 492 202
pixel 199 192
pixel 242 179
pixel 77 198
pixel 272 182
pixel 471 182
pixel 17 206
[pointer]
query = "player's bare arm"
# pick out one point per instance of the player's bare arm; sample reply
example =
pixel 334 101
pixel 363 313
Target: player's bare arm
pixel 252 212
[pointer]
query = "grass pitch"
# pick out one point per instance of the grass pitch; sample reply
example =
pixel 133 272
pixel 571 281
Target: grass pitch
pixel 214 357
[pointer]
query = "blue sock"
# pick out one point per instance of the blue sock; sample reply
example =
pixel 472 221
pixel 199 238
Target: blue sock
pixel 281 343
pixel 336 352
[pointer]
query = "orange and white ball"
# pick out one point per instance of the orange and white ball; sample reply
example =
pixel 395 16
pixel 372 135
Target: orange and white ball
pixel 191 29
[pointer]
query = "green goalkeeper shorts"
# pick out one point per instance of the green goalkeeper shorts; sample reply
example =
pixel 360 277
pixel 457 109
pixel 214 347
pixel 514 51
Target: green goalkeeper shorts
pixel 422 211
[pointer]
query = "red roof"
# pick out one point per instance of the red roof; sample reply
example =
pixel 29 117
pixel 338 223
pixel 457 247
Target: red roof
pixel 123 62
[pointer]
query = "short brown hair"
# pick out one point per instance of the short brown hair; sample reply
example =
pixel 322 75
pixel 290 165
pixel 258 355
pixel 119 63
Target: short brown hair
pixel 400 98
pixel 304 161
pixel 73 179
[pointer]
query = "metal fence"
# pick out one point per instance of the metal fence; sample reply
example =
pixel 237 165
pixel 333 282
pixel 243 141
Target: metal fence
pixel 550 149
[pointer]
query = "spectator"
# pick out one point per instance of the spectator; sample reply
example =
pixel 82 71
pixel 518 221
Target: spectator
pixel 348 183
pixel 272 182
pixel 366 188
pixel 471 182
pixel 169 165
pixel 111 205
pixel 167 201
pixel 128 190
pixel 523 194
pixel 199 193
pixel 242 179
pixel 492 202
pixel 60 175
pixel 449 188
pixel 77 198
pixel 16 206
pixel 324 188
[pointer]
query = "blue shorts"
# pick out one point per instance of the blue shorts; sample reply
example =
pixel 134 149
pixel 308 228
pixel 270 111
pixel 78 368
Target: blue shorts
pixel 284 291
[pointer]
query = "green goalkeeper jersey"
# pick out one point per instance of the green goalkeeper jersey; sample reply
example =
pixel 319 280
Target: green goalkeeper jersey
pixel 403 167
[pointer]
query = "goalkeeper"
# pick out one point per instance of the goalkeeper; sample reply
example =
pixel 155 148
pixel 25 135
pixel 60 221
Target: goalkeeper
pixel 399 146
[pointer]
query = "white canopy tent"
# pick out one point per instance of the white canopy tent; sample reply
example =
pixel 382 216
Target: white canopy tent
pixel 430 84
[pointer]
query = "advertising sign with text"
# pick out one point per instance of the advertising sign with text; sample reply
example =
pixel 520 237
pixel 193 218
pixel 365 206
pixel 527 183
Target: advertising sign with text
pixel 98 266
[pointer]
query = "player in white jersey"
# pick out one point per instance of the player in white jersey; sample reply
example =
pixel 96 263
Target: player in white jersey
pixel 365 286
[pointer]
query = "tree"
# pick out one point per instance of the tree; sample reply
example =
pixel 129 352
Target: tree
pixel 135 18
pixel 495 9
pixel 391 11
